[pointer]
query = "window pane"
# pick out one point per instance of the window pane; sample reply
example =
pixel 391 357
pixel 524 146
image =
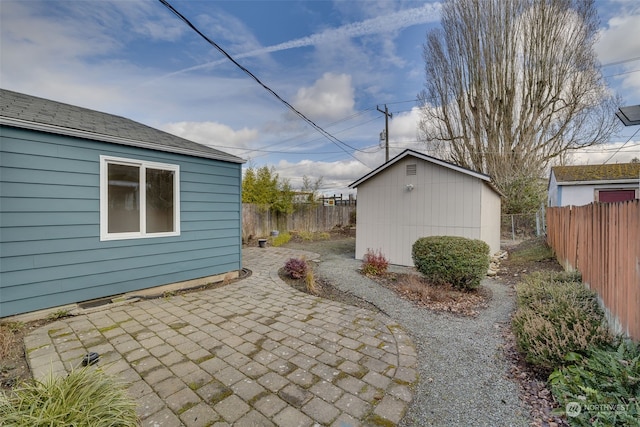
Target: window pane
pixel 124 198
pixel 159 200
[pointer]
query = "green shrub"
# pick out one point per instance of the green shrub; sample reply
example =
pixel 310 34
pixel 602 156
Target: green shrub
pixel 556 315
pixel 87 397
pixel 458 261
pixel 606 385
pixel 374 263
pixel 281 239
pixel 307 236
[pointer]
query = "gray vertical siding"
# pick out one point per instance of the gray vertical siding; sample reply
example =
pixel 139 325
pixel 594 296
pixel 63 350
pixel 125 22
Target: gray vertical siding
pixel 50 248
pixel 443 202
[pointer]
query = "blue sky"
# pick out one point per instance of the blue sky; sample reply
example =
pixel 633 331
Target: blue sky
pixel 335 61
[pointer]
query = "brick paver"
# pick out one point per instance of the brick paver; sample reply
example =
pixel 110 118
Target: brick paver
pixel 255 352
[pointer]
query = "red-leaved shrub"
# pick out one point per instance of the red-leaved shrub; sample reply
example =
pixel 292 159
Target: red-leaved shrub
pixel 374 263
pixel 296 268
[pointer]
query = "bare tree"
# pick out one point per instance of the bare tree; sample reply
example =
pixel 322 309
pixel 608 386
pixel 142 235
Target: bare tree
pixel 512 85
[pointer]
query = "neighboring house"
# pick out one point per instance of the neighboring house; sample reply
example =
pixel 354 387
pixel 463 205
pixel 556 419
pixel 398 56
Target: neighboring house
pixel 415 195
pixel 584 184
pixel 94 205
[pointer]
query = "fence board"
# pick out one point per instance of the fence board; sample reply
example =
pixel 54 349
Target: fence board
pixel 602 242
pixel 259 223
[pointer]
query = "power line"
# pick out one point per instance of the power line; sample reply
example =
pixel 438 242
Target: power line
pixel 622 146
pixel 624 61
pixel 590 149
pixel 621 73
pixel 262 149
pixel 267 88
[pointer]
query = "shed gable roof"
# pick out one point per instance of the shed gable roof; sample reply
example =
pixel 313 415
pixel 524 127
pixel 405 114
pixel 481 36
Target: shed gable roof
pixel 589 173
pixel 421 156
pixel 30 112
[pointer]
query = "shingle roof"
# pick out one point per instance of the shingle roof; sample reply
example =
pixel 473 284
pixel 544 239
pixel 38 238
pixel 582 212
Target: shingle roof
pixel 609 172
pixel 30 112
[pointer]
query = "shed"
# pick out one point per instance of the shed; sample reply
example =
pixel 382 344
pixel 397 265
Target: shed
pixel 580 185
pixel 94 205
pixel 415 195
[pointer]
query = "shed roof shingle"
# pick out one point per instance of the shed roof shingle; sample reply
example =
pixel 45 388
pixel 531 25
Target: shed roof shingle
pixel 26 111
pixel 608 172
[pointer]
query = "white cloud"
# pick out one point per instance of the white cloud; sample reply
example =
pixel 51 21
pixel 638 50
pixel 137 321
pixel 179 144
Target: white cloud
pixel 336 176
pixel 335 37
pixel 331 97
pixel 74 51
pixel 619 41
pixel 213 134
pixel 404 126
pixel 236 35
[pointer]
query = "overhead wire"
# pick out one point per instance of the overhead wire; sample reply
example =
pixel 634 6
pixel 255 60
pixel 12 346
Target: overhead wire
pixel 326 134
pixel 315 126
pixel 623 61
pixel 363 150
pixel 622 146
pixel 621 73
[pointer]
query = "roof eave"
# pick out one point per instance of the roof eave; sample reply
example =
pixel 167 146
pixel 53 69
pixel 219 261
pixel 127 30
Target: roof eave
pixel 60 130
pixel 425 157
pixel 601 181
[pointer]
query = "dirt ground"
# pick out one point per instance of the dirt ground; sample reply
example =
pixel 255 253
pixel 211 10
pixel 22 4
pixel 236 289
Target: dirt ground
pixel 13 362
pixel 14 368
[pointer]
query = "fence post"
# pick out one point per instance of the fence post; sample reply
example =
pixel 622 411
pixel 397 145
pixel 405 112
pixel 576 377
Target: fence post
pixel 513 230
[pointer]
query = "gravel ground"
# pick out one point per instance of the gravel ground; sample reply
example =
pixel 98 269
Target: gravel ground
pixel 463 371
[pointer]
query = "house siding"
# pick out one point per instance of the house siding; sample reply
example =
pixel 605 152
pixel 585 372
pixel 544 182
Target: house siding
pixel 572 192
pixel 554 192
pixel 50 223
pixel 442 202
pixel 490 219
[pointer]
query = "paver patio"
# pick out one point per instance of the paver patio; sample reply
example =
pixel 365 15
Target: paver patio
pixel 252 353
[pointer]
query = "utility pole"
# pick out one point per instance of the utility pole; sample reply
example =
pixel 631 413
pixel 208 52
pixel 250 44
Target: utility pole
pixel 387 114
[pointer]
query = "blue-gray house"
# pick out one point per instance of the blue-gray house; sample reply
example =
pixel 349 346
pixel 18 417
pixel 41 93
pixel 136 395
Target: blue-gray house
pixel 94 205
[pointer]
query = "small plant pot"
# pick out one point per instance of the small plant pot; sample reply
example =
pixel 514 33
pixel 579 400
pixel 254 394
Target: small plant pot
pixel 262 243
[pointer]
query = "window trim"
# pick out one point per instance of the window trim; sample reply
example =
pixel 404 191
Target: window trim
pixel 104 198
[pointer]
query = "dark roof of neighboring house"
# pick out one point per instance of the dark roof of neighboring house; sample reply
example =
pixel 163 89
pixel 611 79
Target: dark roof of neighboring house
pixel 609 172
pixel 30 112
pixel 430 159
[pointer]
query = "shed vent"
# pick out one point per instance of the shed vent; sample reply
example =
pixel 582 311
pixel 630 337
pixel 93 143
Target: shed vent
pixel 411 169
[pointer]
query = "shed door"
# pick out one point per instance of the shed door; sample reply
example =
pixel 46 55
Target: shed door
pixel 610 196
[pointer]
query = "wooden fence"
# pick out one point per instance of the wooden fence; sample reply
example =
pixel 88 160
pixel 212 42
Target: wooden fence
pixel 258 223
pixel 602 242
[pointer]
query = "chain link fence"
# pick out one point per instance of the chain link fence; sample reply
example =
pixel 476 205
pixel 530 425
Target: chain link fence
pixel 523 226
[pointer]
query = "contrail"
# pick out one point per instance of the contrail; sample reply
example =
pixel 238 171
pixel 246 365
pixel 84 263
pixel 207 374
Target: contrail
pixel 382 24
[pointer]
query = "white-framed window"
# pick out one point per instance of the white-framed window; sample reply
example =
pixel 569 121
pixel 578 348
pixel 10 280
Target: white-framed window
pixel 138 199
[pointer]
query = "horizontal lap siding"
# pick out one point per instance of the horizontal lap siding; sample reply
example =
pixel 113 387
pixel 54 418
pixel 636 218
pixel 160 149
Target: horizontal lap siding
pixel 51 253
